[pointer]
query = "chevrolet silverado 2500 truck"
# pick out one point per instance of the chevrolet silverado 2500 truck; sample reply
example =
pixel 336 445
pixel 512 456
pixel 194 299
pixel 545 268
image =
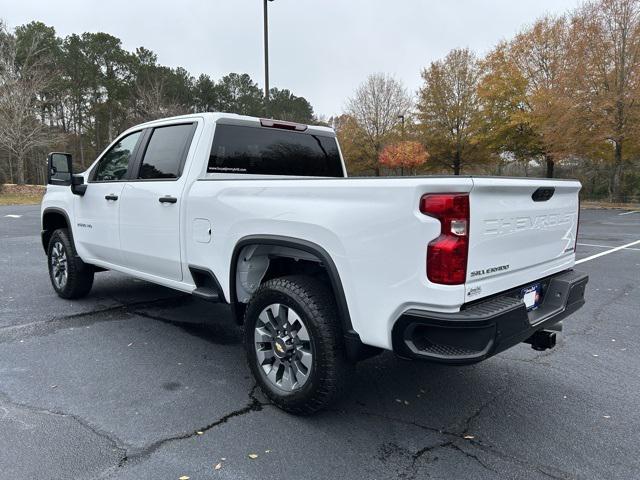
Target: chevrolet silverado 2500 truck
pixel 321 269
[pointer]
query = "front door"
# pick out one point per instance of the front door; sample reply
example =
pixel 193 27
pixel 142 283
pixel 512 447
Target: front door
pixel 96 233
pixel 151 203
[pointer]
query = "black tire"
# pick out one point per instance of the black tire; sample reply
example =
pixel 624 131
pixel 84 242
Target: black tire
pixel 79 275
pixel 315 305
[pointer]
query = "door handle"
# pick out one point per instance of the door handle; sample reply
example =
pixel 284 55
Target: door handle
pixel 167 199
pixel 111 196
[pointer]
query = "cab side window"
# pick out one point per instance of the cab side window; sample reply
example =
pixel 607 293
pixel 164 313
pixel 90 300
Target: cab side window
pixel 113 165
pixel 166 152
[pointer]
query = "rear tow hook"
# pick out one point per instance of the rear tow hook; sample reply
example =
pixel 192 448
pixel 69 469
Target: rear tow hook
pixel 542 340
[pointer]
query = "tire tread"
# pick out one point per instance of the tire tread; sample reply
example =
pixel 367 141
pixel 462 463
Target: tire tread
pixel 79 274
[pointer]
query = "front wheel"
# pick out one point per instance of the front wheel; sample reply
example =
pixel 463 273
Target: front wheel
pixel 294 344
pixel 70 276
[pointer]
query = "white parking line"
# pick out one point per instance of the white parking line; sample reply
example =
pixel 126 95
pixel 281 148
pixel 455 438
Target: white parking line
pixel 605 246
pixel 12 216
pixel 601 254
pixel 629 213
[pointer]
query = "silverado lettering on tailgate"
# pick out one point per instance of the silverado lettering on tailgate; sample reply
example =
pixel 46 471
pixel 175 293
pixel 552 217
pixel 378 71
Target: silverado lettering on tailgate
pixel 487 271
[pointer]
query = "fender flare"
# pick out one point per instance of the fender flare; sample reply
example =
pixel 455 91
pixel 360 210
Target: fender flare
pixel 307 246
pixel 57 211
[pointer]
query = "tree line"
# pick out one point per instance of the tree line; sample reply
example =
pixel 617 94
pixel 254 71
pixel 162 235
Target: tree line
pixel 561 98
pixel 77 93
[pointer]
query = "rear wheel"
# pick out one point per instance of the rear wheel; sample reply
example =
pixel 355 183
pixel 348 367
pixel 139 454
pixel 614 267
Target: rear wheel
pixel 70 276
pixel 294 344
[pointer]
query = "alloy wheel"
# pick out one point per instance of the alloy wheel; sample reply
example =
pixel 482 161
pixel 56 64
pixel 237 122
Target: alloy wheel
pixel 283 347
pixel 59 265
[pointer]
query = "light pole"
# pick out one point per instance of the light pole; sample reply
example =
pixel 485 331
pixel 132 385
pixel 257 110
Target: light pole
pixel 401 117
pixel 266 53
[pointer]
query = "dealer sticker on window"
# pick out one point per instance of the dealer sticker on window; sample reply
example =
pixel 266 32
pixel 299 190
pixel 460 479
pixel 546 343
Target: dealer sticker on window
pixel 532 296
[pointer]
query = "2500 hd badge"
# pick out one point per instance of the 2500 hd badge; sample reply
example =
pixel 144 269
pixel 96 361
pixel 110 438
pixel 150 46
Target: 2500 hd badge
pixel 487 271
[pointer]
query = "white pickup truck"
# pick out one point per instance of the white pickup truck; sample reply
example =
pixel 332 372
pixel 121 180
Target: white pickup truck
pixel 322 270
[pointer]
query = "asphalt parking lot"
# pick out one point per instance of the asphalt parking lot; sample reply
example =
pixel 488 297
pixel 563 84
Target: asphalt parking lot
pixel 137 381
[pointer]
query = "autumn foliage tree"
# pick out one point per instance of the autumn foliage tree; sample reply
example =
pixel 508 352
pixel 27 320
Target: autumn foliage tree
pixel 566 89
pixel 561 98
pixel 355 145
pixel 377 108
pixel 404 156
pixel 522 94
pixel 448 108
pixel 605 84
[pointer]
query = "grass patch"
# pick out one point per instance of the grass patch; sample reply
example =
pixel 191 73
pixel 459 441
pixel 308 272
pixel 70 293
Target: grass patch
pixel 11 194
pixel 20 199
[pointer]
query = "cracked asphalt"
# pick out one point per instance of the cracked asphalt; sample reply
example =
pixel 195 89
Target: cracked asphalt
pixel 137 382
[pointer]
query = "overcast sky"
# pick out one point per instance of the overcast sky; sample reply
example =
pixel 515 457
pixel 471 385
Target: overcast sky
pixel 319 49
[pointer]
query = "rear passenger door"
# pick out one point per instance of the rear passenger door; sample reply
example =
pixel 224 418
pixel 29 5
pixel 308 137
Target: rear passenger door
pixel 151 202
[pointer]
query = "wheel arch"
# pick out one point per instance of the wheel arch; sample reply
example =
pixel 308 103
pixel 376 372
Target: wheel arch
pixel 299 244
pixel 52 219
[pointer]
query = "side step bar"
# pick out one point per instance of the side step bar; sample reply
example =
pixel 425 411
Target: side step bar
pixel 207 294
pixel 207 286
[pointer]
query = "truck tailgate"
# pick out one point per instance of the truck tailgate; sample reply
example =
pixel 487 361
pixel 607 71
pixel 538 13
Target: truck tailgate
pixel 517 234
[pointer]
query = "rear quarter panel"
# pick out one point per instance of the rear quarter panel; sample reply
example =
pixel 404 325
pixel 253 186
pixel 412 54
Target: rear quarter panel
pixel 372 229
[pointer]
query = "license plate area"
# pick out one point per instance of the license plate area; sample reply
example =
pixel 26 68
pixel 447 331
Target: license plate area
pixel 532 296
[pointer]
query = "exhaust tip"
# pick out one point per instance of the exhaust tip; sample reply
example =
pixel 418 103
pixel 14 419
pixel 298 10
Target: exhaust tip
pixel 542 340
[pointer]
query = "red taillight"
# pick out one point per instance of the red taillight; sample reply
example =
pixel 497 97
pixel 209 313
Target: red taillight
pixel 447 254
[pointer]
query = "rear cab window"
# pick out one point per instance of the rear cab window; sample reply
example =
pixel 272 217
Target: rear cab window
pixel 268 151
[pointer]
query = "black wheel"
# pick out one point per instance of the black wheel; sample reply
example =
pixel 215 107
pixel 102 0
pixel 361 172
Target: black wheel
pixel 294 344
pixel 70 276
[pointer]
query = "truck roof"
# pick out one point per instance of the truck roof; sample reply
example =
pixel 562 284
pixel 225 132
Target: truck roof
pixel 234 119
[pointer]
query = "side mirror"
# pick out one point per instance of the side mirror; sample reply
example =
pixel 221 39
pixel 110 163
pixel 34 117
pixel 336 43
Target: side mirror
pixel 78 187
pixel 60 172
pixel 59 169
